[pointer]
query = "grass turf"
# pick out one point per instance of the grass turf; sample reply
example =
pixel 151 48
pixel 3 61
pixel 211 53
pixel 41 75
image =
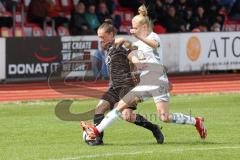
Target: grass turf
pixel 31 131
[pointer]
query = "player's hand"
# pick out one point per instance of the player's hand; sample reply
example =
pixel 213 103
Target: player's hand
pixel 133 31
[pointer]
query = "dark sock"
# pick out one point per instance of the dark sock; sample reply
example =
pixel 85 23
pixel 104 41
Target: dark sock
pixel 97 120
pixel 143 122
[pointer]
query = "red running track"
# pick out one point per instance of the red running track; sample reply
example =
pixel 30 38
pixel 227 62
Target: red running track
pixel 193 84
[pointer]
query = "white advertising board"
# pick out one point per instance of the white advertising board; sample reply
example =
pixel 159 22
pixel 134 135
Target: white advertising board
pixel 209 51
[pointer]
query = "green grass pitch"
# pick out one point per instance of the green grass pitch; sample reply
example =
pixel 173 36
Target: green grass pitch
pixel 31 131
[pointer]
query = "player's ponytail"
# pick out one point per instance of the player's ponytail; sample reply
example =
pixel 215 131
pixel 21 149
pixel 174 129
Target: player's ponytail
pixel 142 10
pixel 108 26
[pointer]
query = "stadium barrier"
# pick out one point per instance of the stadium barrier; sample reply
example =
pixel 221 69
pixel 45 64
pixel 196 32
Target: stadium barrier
pixel 209 51
pixel 34 58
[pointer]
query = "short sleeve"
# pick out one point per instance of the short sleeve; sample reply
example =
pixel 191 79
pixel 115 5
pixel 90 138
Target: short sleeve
pixel 155 37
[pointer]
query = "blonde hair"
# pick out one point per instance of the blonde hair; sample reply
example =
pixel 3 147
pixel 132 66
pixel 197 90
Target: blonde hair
pixel 142 18
pixel 142 10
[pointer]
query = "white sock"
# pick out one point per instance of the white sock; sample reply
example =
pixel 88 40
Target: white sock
pixel 108 120
pixel 183 119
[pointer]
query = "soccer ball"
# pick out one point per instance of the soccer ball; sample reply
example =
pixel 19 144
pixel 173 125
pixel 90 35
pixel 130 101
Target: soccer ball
pixel 84 136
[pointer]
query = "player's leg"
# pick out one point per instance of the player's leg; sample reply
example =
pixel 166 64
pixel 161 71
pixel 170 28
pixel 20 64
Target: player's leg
pixel 116 113
pixel 180 118
pixel 161 98
pixel 165 116
pixel 139 120
pixel 106 103
pixel 102 107
pixel 113 115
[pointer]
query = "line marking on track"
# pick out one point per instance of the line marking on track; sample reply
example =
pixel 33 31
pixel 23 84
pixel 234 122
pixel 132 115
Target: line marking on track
pixel 145 152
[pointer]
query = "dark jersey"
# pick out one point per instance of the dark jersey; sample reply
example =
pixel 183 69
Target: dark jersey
pixel 118 67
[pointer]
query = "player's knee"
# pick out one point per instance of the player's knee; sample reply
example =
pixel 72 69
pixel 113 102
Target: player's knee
pixel 102 107
pixel 126 115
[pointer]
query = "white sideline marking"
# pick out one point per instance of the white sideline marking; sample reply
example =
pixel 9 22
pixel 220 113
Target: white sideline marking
pixel 147 152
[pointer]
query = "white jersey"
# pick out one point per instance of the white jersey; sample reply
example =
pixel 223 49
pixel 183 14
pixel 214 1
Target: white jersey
pixel 151 55
pixel 153 80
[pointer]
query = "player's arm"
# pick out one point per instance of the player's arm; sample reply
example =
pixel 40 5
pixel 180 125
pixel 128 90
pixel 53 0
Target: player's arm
pixel 151 42
pixel 133 58
pixel 119 41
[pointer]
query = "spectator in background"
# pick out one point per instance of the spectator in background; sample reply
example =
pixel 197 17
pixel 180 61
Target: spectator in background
pixel 182 8
pixel 2 7
pixel 167 4
pixel 220 18
pixel 131 4
pixel 5 17
pixel 160 11
pixel 200 19
pixel 173 23
pixel 87 2
pixel 211 8
pixel 9 4
pixel 38 12
pixel 91 17
pixel 99 65
pixel 235 11
pixel 103 13
pixel 78 23
pixel 216 27
pixel 111 4
pixel 54 14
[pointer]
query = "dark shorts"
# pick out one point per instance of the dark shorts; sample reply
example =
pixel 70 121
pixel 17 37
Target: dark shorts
pixel 114 95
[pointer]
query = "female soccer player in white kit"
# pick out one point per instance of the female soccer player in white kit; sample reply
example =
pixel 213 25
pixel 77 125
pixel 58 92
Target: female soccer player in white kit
pixel 153 80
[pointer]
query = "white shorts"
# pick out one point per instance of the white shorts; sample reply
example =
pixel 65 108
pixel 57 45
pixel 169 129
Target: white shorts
pixel 152 85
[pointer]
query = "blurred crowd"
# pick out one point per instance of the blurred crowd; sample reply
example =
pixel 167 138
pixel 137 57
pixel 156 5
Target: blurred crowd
pixel 191 15
pixel 172 15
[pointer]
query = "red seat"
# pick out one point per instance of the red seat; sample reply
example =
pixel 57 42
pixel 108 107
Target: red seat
pixel 159 29
pixel 125 28
pixel 126 15
pixel 57 4
pixel 67 5
pixel 63 31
